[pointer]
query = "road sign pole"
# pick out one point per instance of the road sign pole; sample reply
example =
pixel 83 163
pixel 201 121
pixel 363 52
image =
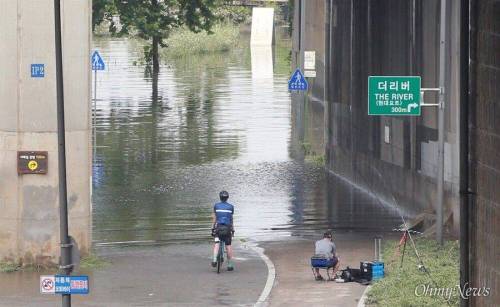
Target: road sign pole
pixel 302 33
pixel 302 40
pixel 97 64
pixel 441 125
pixel 65 265
pixel 94 114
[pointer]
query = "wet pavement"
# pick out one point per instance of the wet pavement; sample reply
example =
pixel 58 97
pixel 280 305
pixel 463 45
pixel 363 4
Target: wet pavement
pixel 295 284
pixel 173 275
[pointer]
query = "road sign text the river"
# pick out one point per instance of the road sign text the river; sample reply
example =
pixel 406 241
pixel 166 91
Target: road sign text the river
pixel 394 95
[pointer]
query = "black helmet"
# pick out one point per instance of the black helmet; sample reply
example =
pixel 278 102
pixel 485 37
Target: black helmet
pixel 223 195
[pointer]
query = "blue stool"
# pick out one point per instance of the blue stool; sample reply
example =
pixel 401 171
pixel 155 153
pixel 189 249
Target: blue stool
pixel 320 262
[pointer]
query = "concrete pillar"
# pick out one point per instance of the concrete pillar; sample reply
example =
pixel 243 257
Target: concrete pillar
pixel 29 216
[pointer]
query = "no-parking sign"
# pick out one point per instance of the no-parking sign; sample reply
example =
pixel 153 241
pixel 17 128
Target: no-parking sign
pixel 64 284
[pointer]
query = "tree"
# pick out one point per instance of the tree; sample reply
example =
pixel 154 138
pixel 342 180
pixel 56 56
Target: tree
pixel 153 20
pixel 101 10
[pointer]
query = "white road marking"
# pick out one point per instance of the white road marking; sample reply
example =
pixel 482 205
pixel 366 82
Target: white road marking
pixel 271 275
pixel 361 302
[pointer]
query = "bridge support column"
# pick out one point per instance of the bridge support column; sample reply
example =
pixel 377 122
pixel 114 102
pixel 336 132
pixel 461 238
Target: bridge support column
pixel 29 204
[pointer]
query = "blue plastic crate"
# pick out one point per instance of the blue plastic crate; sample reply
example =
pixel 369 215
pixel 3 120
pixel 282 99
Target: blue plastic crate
pixel 377 270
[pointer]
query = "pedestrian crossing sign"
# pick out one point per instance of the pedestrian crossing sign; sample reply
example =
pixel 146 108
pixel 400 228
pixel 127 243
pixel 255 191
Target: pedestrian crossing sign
pixel 97 61
pixel 297 82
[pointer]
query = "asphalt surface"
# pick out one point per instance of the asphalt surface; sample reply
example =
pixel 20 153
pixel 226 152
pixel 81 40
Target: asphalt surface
pixel 174 275
pixel 295 284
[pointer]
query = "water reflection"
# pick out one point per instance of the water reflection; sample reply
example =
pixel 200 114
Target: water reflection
pixel 219 122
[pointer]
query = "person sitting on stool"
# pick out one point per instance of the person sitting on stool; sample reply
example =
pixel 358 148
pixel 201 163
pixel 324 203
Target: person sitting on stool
pixel 326 248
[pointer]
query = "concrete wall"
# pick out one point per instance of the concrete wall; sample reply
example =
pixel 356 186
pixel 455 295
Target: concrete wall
pixel 484 161
pixel 29 219
pixel 391 37
pixel 308 110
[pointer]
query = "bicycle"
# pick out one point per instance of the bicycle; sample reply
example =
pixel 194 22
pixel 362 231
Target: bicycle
pixel 220 255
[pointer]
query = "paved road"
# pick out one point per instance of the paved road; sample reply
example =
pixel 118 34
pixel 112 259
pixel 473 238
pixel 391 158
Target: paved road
pixel 295 284
pixel 174 275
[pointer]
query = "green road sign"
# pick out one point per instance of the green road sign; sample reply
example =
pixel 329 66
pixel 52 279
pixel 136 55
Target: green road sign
pixel 388 95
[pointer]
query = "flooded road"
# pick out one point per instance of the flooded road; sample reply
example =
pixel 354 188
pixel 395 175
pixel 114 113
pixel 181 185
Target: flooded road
pixel 221 121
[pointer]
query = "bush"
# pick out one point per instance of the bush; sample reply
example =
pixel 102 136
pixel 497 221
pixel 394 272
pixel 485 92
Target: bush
pixel 8 267
pixel 183 41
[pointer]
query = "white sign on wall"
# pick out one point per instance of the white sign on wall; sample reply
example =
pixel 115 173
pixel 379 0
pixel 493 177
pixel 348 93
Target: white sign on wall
pixel 309 60
pixel 310 73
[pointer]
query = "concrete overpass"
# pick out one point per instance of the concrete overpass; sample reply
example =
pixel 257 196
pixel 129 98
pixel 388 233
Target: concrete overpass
pixel 257 2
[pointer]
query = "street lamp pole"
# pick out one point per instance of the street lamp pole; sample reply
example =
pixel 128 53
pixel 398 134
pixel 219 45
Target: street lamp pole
pixel 65 265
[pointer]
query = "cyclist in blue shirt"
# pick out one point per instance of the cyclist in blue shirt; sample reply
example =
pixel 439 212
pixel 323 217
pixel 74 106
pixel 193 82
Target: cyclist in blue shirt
pixel 222 221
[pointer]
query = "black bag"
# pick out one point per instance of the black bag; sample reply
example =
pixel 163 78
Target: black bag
pixel 355 273
pixel 346 275
pixel 350 274
pixel 223 230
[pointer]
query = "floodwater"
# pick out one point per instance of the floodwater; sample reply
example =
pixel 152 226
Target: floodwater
pixel 221 122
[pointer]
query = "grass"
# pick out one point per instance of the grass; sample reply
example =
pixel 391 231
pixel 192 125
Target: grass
pixel 401 285
pixel 182 41
pixel 311 156
pixel 8 267
pixel 89 262
pixel 318 160
pixel 92 262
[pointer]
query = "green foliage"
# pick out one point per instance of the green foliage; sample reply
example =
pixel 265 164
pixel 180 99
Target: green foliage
pixel 311 156
pixel 398 287
pixel 8 267
pixel 156 18
pixel 101 10
pixel 233 14
pixel 318 160
pixel 183 41
pixel 92 262
pixel 306 147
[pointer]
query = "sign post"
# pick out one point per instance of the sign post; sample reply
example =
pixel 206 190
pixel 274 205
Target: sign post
pixel 97 64
pixel 65 243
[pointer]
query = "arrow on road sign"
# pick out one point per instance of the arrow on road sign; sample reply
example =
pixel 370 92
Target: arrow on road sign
pixel 97 61
pixel 297 82
pixel 412 106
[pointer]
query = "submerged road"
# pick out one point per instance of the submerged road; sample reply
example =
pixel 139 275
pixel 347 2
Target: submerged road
pixel 221 122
